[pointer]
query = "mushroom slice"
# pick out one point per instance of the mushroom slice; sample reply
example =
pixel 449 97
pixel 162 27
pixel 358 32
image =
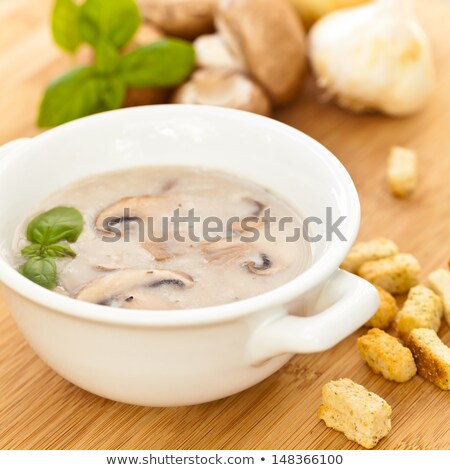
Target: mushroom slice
pixel 164 250
pixel 246 254
pixel 221 87
pixel 134 209
pixel 259 206
pixel 161 251
pixel 225 251
pixel 270 38
pixel 183 18
pixel 262 265
pixel 169 185
pixel 135 288
pixel 105 268
pixel 61 290
pixel 252 221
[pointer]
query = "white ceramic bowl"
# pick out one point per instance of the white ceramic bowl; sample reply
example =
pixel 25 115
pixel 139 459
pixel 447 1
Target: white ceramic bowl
pixel 181 357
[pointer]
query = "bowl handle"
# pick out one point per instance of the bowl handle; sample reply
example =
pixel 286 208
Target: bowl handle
pixel 353 301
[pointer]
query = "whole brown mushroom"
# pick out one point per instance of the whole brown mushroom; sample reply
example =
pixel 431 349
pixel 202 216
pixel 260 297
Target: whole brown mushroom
pixel 264 36
pixel 222 87
pixel 182 18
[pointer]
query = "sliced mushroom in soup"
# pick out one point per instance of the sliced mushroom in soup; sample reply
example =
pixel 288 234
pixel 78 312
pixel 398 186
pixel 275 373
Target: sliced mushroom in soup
pixel 134 253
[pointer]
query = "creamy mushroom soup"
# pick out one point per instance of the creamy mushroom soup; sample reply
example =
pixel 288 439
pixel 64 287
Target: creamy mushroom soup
pixel 134 253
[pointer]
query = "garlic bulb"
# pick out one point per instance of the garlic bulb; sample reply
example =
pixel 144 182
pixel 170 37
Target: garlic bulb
pixel 311 10
pixel 374 57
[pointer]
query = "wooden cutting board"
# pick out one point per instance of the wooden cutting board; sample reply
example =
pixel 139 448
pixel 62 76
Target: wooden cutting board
pixel 40 410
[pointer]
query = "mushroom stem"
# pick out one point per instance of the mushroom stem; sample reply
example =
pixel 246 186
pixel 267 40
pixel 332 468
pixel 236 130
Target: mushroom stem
pixel 212 51
pixel 221 87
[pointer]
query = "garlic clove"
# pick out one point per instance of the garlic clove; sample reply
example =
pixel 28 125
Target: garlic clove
pixel 374 57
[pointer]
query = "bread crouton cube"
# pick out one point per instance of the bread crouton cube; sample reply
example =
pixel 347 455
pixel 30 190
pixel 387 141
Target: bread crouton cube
pixel 386 356
pixel 440 282
pixel 432 356
pixel 386 312
pixel 396 274
pixel 368 251
pixel 402 171
pixel 422 309
pixel 362 416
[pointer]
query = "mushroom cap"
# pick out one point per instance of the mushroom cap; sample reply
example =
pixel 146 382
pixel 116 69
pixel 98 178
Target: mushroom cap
pixel 183 18
pixel 135 288
pixel 222 87
pixel 169 248
pixel 271 39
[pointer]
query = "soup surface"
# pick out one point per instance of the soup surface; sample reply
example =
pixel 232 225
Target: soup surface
pixel 175 238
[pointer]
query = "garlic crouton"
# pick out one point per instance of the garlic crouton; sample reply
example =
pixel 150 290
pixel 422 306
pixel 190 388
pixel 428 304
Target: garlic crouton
pixel 396 274
pixel 362 416
pixel 386 356
pixel 402 171
pixel 386 312
pixel 422 309
pixel 440 283
pixel 432 356
pixel 368 251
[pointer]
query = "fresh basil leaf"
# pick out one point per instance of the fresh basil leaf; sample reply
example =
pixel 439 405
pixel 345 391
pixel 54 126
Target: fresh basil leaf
pixel 106 57
pixel 81 92
pixel 60 223
pixel 111 93
pixel 71 96
pixel 58 251
pixel 31 251
pixel 115 21
pixel 163 63
pixel 53 251
pixel 42 271
pixel 65 25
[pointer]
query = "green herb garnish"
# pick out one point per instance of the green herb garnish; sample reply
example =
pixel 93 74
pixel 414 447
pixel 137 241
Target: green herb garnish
pixel 107 26
pixel 45 232
pixel 42 271
pixel 65 28
pixel 114 21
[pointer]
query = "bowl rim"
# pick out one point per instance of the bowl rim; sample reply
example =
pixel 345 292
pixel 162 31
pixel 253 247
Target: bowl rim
pixel 318 272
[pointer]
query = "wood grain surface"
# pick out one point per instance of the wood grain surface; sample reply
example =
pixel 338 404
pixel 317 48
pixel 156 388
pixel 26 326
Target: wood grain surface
pixel 40 410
